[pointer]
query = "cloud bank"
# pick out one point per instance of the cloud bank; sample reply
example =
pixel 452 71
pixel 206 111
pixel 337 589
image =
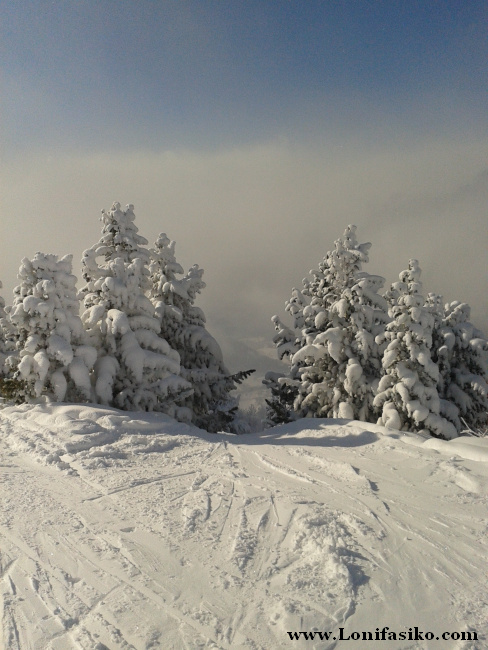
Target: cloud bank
pixel 257 218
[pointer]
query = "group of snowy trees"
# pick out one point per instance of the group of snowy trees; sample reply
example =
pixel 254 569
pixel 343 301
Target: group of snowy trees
pixel 398 358
pixel 140 343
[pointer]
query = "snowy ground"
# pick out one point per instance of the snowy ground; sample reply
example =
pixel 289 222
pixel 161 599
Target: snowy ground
pixel 128 530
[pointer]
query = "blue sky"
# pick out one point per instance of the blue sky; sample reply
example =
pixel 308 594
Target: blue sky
pixel 219 73
pixel 252 132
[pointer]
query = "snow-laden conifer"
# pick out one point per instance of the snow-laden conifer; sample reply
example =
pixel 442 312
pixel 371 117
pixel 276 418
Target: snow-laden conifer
pixel 341 363
pixel 284 387
pixel 407 394
pixel 173 293
pixel 52 357
pixel 334 365
pixel 462 355
pixel 136 368
pixel 280 403
pixel 3 336
pixel 448 409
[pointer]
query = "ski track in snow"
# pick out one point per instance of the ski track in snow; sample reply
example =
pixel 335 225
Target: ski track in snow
pixel 124 530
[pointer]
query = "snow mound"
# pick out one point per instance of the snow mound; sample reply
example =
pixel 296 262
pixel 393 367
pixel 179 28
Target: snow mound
pixel 49 432
pixel 129 530
pixel 468 448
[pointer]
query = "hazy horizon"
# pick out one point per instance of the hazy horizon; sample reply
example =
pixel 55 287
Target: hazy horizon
pixel 252 134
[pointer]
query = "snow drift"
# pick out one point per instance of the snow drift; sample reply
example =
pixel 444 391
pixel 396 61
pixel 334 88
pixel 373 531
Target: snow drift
pixel 129 530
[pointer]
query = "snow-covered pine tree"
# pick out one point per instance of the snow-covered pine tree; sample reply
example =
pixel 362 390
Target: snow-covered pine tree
pixel 137 368
pixel 334 365
pixel 52 357
pixel 3 336
pixel 407 395
pixel 448 409
pixel 280 403
pixel 461 352
pixel 173 294
pixel 9 387
pixel 284 387
pixel 341 380
pixel 309 309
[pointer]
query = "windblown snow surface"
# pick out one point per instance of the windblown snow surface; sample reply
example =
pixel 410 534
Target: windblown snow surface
pixel 126 530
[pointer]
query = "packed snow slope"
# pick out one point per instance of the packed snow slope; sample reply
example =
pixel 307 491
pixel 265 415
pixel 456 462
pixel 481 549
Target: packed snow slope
pixel 126 530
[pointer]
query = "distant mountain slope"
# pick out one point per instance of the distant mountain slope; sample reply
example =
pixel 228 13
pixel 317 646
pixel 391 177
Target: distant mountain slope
pixel 128 530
